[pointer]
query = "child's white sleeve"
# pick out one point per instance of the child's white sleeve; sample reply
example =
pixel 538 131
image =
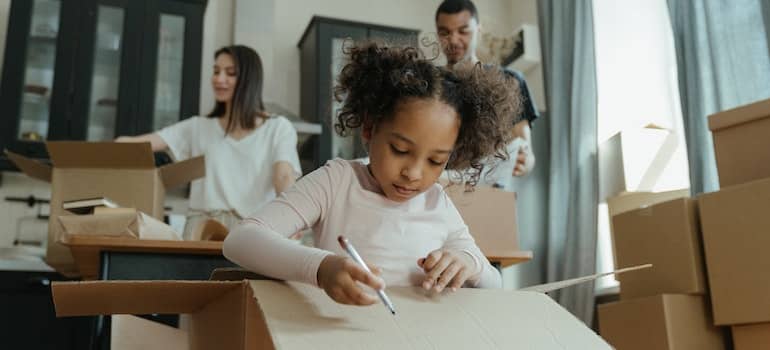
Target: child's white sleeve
pixel 260 243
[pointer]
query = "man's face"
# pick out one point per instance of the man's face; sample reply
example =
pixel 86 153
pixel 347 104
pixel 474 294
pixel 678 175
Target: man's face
pixel 458 33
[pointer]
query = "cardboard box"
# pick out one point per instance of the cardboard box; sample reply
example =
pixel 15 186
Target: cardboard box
pixel 124 222
pixel 736 241
pixel 666 235
pixel 741 145
pixel 626 166
pixel 661 322
pixel 491 218
pixel 751 336
pixel 123 172
pixel 280 315
pixel 628 201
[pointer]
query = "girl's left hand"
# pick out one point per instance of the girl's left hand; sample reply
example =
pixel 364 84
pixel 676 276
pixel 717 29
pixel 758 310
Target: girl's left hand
pixel 446 268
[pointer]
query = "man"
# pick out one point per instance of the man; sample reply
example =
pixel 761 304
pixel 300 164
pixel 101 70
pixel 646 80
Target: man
pixel 458 27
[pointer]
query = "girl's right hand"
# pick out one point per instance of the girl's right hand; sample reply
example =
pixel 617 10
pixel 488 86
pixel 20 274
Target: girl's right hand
pixel 338 275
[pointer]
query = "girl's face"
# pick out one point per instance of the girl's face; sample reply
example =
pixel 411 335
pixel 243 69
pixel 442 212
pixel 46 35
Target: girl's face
pixel 224 78
pixel 408 151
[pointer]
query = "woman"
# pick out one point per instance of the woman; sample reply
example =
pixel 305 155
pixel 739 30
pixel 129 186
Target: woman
pixel 250 155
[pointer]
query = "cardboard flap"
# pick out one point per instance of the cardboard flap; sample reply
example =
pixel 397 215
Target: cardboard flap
pixel 301 316
pixel 490 215
pixel 107 155
pixel 658 165
pixel 180 173
pixel 739 115
pixel 32 168
pixel 549 287
pixel 135 297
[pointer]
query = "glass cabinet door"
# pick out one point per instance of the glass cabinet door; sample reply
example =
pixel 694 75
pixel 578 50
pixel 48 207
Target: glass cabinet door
pixel 39 71
pixel 170 58
pixel 105 82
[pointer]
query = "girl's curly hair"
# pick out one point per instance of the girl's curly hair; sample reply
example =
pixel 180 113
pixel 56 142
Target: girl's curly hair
pixel 378 77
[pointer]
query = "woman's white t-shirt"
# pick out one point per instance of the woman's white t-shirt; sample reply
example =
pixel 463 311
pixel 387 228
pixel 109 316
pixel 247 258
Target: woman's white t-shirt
pixel 239 173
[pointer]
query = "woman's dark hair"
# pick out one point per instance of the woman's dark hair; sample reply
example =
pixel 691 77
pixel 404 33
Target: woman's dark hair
pixel 247 102
pixel 378 77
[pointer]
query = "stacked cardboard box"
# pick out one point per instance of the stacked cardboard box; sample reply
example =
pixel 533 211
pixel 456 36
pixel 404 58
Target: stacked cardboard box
pixel 734 232
pixel 736 224
pixel 663 307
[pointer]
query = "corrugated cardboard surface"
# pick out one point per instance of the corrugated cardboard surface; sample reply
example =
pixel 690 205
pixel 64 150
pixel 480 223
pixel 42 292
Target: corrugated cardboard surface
pixel 622 168
pixel 134 333
pixel 736 239
pixel 239 315
pixel 751 337
pixel 741 143
pixel 666 235
pixel 628 201
pixel 491 218
pixel 106 155
pixel 661 322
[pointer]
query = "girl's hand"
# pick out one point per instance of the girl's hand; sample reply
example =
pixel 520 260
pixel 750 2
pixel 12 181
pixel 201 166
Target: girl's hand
pixel 446 268
pixel 338 276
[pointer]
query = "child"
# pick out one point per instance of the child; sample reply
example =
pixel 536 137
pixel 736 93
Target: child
pixel 416 119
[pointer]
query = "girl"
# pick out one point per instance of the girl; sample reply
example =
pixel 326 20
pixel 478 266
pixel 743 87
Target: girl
pixel 415 119
pixel 250 155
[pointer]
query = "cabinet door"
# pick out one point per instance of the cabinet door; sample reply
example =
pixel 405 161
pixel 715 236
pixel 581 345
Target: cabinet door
pixel 35 50
pixel 171 56
pixel 107 89
pixel 332 38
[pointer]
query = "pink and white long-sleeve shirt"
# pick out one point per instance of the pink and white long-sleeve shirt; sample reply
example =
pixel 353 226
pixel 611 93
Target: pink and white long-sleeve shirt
pixel 342 198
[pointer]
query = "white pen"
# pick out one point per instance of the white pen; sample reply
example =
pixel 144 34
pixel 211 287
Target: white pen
pixel 357 258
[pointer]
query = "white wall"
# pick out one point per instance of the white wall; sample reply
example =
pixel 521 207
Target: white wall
pixel 274 28
pixel 525 12
pixel 217 32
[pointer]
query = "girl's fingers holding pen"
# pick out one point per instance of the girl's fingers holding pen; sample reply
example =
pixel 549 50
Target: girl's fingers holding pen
pixel 447 276
pixel 359 274
pixel 431 260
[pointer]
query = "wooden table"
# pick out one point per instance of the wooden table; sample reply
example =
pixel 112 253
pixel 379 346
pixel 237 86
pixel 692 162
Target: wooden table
pixel 504 259
pixel 89 250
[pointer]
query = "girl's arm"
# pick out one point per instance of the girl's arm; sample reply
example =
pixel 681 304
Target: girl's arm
pixel 156 142
pixel 260 243
pixel 283 176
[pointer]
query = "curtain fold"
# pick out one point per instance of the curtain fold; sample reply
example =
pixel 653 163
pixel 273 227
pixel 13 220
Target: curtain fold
pixel 722 62
pixel 569 71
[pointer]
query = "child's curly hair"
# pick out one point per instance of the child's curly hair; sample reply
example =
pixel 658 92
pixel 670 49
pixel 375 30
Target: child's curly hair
pixel 378 77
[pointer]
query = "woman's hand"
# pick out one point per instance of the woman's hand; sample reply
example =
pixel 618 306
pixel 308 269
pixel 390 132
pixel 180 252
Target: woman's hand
pixel 338 276
pixel 446 268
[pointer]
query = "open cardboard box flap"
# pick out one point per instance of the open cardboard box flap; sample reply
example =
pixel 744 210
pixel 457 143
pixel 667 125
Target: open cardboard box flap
pixel 108 155
pixel 290 315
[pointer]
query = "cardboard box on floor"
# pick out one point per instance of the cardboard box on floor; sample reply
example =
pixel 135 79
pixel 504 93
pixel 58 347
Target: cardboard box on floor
pixel 123 172
pixel 751 336
pixel 281 315
pixel 736 241
pixel 624 168
pixel 666 235
pixel 628 201
pixel 661 322
pixel 741 145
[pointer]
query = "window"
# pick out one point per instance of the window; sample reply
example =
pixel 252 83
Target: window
pixel 637 85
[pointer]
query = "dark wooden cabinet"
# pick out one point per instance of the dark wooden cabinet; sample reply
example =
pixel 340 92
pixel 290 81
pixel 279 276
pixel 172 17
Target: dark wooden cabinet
pixel 27 315
pixel 96 69
pixel 321 59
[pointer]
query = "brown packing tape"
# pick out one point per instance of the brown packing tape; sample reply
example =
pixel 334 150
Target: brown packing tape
pixel 135 297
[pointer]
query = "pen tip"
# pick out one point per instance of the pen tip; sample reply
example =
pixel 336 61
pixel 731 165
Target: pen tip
pixel 393 312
